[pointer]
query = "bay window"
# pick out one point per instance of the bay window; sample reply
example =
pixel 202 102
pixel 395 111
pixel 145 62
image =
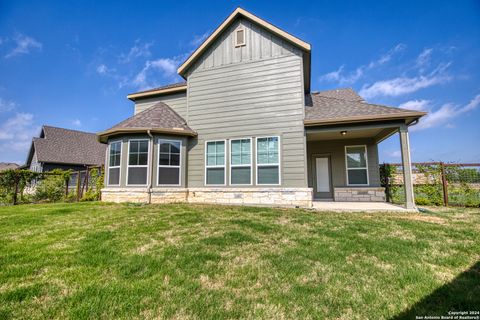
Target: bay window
pixel 268 161
pixel 169 162
pixel 356 162
pixel 241 161
pixel 114 160
pixel 137 169
pixel 215 162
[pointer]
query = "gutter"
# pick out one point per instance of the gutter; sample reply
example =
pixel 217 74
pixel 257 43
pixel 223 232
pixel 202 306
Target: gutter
pixel 149 188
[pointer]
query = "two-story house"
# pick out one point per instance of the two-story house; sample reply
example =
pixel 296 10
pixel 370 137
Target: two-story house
pixel 245 128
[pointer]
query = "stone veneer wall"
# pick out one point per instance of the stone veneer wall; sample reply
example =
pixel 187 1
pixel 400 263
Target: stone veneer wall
pixel 359 194
pixel 301 197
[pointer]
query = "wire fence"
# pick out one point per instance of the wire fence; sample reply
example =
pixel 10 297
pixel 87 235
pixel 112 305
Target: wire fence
pixel 25 186
pixel 435 183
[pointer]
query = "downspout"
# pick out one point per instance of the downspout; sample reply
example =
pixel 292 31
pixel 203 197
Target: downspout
pixel 414 122
pixel 151 168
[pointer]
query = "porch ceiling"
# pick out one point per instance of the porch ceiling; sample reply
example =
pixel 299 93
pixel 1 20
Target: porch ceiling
pixel 378 132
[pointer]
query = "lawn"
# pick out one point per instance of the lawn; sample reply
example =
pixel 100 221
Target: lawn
pixel 97 260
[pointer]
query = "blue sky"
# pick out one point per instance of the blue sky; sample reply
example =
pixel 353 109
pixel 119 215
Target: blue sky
pixel 71 64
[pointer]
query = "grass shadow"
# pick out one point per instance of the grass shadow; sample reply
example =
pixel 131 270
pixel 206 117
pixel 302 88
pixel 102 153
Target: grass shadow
pixel 461 294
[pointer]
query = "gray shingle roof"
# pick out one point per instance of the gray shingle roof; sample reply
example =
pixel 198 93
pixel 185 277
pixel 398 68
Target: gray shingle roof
pixel 344 105
pixel 8 165
pixel 342 93
pixel 60 145
pixel 168 86
pixel 159 117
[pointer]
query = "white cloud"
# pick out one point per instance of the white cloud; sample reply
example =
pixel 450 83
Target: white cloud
pixel 77 122
pixel 23 45
pixel 343 77
pixel 417 105
pixel 424 57
pixel 444 114
pixel 6 106
pixel 403 85
pixel 166 66
pixel 198 39
pixel 102 69
pixel 138 50
pixel 16 135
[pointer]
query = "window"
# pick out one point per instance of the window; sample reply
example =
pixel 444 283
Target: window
pixel 241 161
pixel 114 159
pixel 169 162
pixel 240 37
pixel 268 160
pixel 137 170
pixel 215 162
pixel 356 160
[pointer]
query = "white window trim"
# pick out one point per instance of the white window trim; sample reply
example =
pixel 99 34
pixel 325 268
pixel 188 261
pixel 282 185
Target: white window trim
pixel 138 166
pixel 244 43
pixel 114 167
pixel 363 168
pixel 241 165
pixel 165 166
pixel 215 166
pixel 269 164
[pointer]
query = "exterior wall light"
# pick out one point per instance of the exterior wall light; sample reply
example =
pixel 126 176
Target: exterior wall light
pixel 343 133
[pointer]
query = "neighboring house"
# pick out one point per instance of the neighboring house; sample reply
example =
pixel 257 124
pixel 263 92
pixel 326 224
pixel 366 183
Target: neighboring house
pixel 8 165
pixel 58 148
pixel 245 128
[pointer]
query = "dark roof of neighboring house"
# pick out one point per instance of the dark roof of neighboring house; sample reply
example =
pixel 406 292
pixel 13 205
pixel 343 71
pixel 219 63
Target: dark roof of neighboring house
pixel 345 105
pixel 58 145
pixel 8 165
pixel 158 118
pixel 169 88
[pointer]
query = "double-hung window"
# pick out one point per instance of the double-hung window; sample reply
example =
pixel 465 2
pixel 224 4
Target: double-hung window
pixel 356 162
pixel 268 160
pixel 215 162
pixel 137 170
pixel 114 159
pixel 241 161
pixel 169 162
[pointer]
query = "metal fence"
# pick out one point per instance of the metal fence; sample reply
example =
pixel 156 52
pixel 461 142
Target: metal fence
pixel 435 183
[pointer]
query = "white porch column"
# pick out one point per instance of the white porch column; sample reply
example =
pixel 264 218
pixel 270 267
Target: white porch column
pixel 407 167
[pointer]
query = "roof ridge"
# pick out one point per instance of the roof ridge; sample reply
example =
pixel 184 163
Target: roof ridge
pixel 72 130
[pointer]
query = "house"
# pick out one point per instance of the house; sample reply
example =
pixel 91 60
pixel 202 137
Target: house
pixel 7 166
pixel 58 148
pixel 245 128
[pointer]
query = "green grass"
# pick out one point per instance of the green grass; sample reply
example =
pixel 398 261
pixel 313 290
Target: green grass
pixel 97 260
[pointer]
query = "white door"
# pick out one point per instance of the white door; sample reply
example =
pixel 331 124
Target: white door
pixel 323 174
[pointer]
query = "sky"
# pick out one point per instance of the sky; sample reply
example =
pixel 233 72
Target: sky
pixel 72 64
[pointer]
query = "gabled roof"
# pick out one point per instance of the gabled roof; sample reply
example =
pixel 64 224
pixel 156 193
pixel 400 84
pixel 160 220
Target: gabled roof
pixel 158 118
pixel 328 107
pixel 59 145
pixel 166 89
pixel 239 12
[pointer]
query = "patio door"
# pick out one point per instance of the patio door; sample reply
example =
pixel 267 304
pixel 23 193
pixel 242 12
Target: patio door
pixel 323 178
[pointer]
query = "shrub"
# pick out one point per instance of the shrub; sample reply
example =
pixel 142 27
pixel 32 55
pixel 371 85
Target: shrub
pixel 52 186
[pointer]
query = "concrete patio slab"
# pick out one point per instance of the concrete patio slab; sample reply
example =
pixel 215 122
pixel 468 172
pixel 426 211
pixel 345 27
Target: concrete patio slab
pixel 359 207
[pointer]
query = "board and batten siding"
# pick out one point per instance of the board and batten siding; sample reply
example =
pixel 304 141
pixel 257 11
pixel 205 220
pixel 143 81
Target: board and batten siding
pixel 177 102
pixel 250 91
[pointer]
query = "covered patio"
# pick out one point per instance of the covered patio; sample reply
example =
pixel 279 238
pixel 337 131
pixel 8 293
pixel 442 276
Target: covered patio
pixel 342 137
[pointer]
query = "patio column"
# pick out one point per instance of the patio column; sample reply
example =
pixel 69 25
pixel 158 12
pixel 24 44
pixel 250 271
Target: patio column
pixel 407 167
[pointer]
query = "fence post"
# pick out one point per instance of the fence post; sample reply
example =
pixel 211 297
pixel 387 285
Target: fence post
pixel 86 180
pixel 444 184
pixel 78 185
pixel 67 180
pixel 16 180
